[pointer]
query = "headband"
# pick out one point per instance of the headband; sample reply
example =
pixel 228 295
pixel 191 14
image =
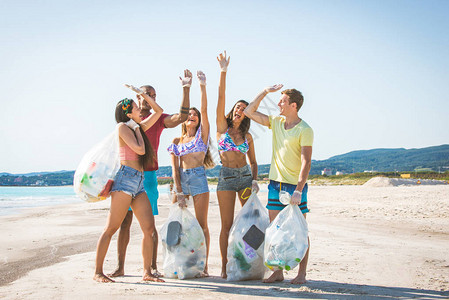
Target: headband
pixel 126 105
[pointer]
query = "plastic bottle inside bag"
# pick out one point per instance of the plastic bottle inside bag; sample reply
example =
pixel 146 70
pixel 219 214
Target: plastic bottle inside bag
pixel 248 252
pixel 284 197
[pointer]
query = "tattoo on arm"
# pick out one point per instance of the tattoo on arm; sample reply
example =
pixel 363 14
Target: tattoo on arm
pixel 184 110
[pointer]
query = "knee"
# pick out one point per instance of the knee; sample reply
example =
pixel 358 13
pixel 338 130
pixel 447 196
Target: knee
pixel 205 229
pixel 148 231
pixel 225 228
pixel 108 232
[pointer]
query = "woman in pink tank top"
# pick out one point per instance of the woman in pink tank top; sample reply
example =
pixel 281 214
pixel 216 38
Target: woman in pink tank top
pixel 127 190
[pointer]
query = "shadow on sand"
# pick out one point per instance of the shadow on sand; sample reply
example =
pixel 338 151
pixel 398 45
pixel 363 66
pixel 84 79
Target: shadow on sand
pixel 315 289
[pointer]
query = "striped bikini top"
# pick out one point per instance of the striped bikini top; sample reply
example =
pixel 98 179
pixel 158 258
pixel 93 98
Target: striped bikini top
pixel 195 145
pixel 225 143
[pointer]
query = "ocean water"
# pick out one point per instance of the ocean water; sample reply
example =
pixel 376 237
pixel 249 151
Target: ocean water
pixel 13 199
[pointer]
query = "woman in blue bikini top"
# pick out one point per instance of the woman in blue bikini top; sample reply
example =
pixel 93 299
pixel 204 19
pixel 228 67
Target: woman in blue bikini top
pixel 235 145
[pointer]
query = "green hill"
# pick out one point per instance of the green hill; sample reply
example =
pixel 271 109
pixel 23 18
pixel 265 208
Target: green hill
pixel 386 160
pixel 381 160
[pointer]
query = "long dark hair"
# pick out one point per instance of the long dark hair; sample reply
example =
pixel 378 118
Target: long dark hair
pixel 208 161
pixel 120 116
pixel 246 122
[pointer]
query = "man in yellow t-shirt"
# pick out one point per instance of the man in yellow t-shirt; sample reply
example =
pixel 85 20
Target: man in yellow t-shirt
pixel 291 159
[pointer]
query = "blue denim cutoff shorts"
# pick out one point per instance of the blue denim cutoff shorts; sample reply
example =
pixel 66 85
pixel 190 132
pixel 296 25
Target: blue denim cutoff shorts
pixel 129 181
pixel 234 179
pixel 194 181
pixel 273 195
pixel 150 185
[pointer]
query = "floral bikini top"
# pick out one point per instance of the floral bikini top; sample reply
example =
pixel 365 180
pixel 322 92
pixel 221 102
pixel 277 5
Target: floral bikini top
pixel 195 145
pixel 225 143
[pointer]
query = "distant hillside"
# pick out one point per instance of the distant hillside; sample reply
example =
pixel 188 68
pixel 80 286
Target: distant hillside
pixel 37 179
pixel 386 160
pixel 381 160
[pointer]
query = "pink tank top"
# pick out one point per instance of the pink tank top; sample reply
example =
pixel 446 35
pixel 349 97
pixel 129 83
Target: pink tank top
pixel 126 153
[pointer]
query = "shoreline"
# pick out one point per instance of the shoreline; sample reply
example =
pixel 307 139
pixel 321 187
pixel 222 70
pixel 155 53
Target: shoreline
pixel 365 242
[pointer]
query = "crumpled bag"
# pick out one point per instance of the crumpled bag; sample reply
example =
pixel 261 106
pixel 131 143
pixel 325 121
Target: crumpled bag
pixel 185 257
pixel 246 238
pixel 286 239
pixel 95 174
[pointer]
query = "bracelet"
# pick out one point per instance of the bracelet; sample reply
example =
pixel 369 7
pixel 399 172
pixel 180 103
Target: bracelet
pixel 296 191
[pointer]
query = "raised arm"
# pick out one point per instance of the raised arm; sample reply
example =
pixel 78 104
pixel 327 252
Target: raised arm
pixel 148 122
pixel 251 110
pixel 204 116
pixel 176 119
pixel 222 125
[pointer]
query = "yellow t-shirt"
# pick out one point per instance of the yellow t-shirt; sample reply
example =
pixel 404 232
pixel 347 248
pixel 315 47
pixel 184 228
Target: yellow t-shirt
pixel 286 158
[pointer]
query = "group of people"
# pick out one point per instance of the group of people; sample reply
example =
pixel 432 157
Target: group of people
pixel 134 191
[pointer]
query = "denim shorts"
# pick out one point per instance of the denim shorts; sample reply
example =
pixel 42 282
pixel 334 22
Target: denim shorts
pixel 194 181
pixel 150 185
pixel 129 181
pixel 234 179
pixel 273 195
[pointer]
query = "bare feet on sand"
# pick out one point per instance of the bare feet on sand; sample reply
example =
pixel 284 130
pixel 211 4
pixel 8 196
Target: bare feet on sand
pixel 157 274
pixel 300 279
pixel 117 273
pixel 223 272
pixel 102 278
pixel 276 276
pixel 152 278
pixel 203 274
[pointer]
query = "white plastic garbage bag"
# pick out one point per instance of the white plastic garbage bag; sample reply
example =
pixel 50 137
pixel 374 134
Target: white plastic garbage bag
pixel 95 174
pixel 246 238
pixel 184 244
pixel 286 239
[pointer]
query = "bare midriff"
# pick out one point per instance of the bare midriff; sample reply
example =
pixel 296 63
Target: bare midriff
pixel 132 164
pixel 233 159
pixel 192 160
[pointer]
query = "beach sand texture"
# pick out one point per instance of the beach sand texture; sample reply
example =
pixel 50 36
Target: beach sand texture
pixel 366 242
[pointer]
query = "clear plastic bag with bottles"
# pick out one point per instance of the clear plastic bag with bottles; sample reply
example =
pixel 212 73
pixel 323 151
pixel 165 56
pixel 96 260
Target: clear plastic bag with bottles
pixel 95 174
pixel 286 241
pixel 246 238
pixel 184 244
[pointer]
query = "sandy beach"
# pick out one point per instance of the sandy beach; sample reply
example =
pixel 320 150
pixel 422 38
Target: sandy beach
pixel 366 242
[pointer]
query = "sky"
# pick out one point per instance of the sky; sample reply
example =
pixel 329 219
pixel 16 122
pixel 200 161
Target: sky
pixel 374 74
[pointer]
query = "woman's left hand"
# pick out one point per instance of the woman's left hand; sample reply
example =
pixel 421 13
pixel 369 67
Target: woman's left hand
pixel 132 124
pixel 181 199
pixel 201 77
pixel 255 186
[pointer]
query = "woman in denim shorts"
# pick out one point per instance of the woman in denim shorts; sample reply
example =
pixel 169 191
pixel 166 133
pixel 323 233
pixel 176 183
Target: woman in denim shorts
pixel 127 190
pixel 190 155
pixel 235 144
